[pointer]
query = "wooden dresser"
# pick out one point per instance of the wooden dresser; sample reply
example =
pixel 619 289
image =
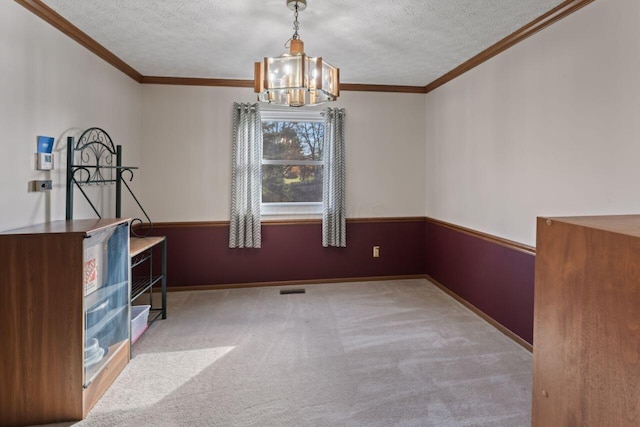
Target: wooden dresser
pixel 586 348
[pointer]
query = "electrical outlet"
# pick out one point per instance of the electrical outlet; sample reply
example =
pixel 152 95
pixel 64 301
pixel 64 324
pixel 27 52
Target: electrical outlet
pixel 376 251
pixel 41 185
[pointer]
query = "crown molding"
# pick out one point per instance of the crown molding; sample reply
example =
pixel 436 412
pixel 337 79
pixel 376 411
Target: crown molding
pixel 56 20
pixel 561 11
pixel 194 81
pixel 190 81
pixel 52 17
pixel 355 87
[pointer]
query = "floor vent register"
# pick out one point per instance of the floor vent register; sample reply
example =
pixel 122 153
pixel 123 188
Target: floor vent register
pixel 292 291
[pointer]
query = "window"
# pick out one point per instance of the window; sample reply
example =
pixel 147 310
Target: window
pixel 292 162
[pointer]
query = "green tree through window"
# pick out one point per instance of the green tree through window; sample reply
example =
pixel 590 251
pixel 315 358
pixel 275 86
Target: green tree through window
pixel 292 161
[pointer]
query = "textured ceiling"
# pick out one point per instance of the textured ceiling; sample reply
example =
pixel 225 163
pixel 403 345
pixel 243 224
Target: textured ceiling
pixel 394 42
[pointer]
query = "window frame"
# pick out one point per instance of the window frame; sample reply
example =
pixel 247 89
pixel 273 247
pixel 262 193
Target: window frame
pixel 291 209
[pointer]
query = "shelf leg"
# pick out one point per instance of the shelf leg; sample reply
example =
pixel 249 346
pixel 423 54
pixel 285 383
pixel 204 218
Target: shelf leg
pixel 164 278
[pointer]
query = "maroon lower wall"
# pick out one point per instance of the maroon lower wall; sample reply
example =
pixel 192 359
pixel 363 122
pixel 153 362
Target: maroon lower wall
pixel 495 278
pixel 199 254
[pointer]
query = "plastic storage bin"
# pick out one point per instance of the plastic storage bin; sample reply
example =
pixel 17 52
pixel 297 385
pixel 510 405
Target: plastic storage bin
pixel 139 317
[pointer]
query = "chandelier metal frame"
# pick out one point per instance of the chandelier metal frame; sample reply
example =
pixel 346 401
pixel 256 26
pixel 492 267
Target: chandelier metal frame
pixel 293 78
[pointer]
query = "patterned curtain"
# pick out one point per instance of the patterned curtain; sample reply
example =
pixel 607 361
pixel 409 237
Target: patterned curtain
pixel 246 177
pixel 334 230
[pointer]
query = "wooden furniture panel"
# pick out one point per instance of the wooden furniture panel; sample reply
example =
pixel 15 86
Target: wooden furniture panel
pixel 42 323
pixel 587 322
pixel 43 317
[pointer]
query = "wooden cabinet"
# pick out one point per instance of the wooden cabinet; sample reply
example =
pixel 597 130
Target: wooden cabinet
pixel 64 318
pixel 586 348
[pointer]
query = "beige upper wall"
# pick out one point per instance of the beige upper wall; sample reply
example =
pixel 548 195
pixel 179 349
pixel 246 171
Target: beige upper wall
pixel 549 127
pixel 180 136
pixel 52 86
pixel 546 128
pixel 187 152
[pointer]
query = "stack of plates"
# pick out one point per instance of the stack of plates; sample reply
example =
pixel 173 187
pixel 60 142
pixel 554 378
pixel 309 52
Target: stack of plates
pixel 93 353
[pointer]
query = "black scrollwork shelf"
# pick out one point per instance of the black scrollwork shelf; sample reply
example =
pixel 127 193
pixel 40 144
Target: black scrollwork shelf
pixel 90 161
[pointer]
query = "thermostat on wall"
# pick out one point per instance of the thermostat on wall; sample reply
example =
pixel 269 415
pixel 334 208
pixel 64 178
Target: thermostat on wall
pixel 44 161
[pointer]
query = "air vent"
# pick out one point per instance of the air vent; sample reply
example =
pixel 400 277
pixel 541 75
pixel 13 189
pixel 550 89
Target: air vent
pixel 292 291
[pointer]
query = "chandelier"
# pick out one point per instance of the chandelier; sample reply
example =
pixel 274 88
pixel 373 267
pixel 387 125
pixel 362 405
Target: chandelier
pixel 295 79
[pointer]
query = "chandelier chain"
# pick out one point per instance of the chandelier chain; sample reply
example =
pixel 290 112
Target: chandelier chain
pixel 295 23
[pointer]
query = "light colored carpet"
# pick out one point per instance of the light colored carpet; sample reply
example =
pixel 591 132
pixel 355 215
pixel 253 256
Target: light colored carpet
pixel 388 353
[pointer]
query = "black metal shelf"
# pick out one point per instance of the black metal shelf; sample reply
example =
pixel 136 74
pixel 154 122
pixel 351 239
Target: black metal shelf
pixel 142 284
pixel 141 251
pixel 154 314
pixel 138 259
pixel 95 160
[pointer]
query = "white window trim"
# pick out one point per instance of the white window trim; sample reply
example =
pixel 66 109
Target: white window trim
pixel 291 210
pixel 307 115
